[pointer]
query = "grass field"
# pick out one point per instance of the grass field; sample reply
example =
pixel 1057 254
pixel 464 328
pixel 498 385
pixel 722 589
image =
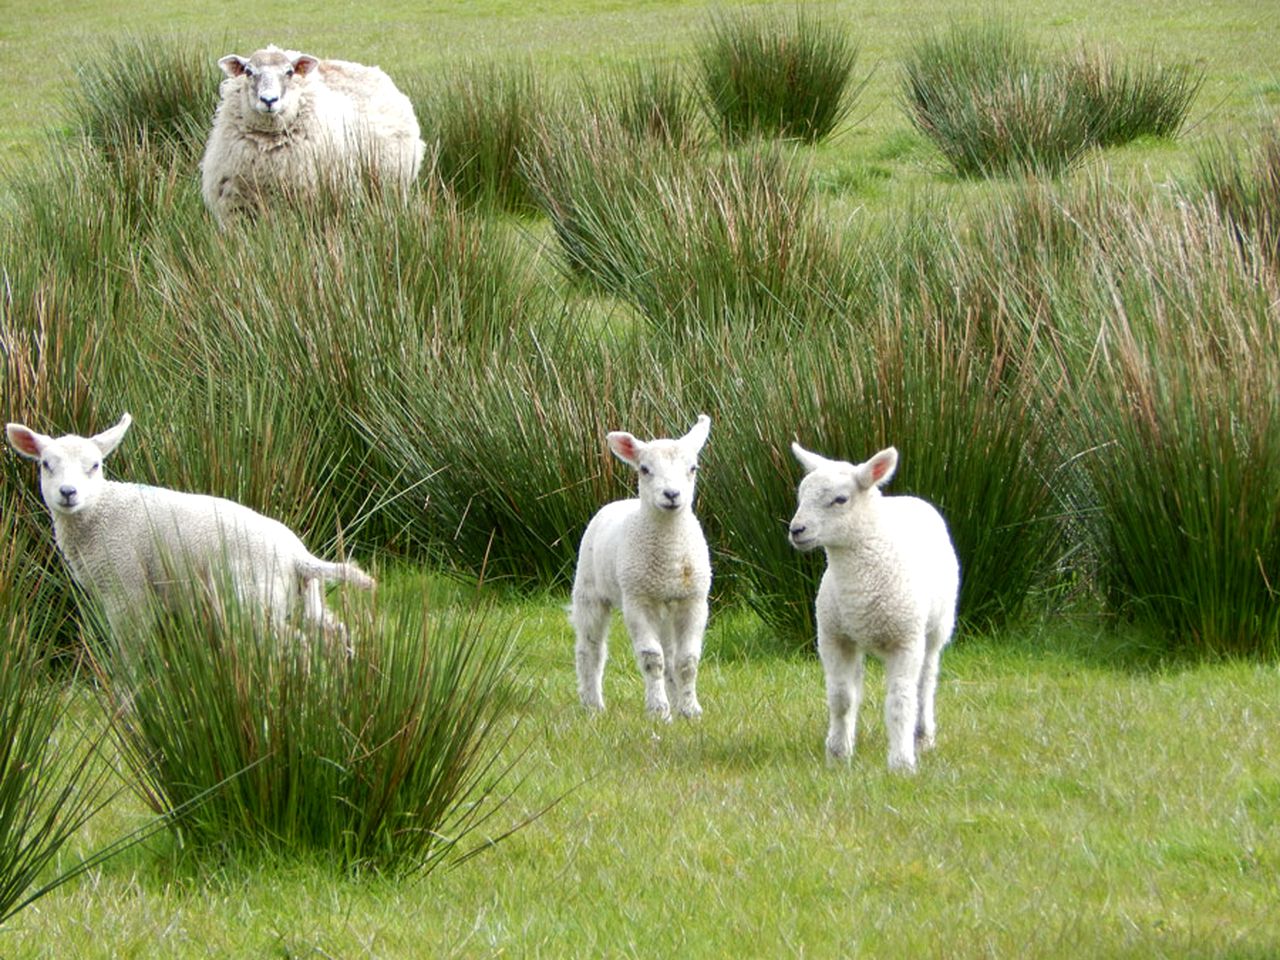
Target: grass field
pixel 1093 794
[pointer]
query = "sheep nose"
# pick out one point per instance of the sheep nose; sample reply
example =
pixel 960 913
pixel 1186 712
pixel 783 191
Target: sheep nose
pixel 672 495
pixel 67 491
pixel 268 101
pixel 797 530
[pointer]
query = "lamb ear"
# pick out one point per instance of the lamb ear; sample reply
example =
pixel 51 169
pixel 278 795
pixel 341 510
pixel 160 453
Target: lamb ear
pixel 108 440
pixel 696 438
pixel 304 63
pixel 26 441
pixel 877 471
pixel 624 446
pixel 808 459
pixel 233 65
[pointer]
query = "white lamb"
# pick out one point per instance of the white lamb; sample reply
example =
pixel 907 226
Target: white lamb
pixel 889 589
pixel 288 121
pixel 648 557
pixel 129 544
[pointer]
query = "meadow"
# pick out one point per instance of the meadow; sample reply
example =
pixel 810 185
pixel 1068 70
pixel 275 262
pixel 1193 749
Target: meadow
pixel 1055 292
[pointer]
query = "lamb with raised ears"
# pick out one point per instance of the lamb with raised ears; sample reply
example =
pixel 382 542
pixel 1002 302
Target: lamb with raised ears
pixel 647 556
pixel 889 589
pixel 288 121
pixel 126 542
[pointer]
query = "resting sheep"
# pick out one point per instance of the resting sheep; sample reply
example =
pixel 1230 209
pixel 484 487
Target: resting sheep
pixel 889 589
pixel 128 544
pixel 648 557
pixel 288 121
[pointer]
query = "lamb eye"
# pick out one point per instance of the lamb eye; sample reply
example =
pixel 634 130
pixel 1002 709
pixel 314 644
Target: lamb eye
pixel 94 467
pixel 840 501
pixel 47 466
pixel 289 72
pixel 644 471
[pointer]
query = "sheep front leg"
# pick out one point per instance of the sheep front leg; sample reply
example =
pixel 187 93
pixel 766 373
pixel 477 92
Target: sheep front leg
pixel 901 707
pixel 689 625
pixel 641 623
pixel 844 665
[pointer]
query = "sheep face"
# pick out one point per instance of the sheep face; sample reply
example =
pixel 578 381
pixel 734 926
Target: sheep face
pixel 71 477
pixel 270 82
pixel 834 491
pixel 667 469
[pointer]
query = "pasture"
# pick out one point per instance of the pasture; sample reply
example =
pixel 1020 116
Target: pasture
pixel 1078 359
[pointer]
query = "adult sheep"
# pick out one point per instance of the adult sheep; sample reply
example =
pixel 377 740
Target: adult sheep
pixel 288 121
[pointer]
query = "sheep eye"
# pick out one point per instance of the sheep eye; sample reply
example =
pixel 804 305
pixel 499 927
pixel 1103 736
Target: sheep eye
pixel 644 471
pixel 693 469
pixel 840 501
pixel 94 467
pixel 47 465
pixel 289 72
pixel 248 71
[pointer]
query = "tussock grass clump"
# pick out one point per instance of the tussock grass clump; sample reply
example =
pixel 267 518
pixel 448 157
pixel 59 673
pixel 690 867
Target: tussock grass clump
pixel 1183 428
pixel 1243 184
pixel 479 120
pixel 648 101
pixel 776 75
pixel 1131 100
pixel 155 91
pixel 50 781
pixel 995 105
pixel 982 95
pixel 383 757
pixel 696 245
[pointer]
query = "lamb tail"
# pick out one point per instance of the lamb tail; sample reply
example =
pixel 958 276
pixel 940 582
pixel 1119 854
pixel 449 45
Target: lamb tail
pixel 312 567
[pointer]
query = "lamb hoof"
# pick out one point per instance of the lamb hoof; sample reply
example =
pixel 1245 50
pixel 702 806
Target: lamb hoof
pixel 692 711
pixel 903 765
pixel 838 753
pixel 593 705
pixel 660 711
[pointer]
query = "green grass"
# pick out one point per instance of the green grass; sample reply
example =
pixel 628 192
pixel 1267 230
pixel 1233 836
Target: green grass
pixel 1070 809
pixel 1039 355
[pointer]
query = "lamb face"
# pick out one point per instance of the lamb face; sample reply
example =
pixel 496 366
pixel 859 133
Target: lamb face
pixel 667 469
pixel 833 493
pixel 71 475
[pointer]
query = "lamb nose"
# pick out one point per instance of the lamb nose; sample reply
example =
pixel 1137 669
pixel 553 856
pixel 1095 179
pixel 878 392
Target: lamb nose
pixel 268 100
pixel 671 494
pixel 796 531
pixel 67 491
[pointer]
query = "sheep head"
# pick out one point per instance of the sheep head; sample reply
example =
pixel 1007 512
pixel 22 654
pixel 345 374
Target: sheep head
pixel 271 81
pixel 832 492
pixel 667 469
pixel 71 477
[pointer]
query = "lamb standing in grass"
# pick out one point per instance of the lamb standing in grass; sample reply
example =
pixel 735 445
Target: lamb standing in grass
pixel 126 542
pixel 288 121
pixel 889 589
pixel 648 557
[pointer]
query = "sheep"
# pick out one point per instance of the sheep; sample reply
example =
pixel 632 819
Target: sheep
pixel 287 121
pixel 130 545
pixel 890 589
pixel 648 557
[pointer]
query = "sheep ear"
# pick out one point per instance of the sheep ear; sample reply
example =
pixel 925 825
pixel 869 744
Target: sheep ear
pixel 232 65
pixel 304 63
pixel 108 440
pixel 624 446
pixel 877 471
pixel 696 438
pixel 808 459
pixel 26 441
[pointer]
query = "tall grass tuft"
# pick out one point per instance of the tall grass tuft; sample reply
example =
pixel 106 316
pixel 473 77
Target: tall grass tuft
pixel 983 96
pixel 1243 184
pixel 1179 413
pixel 147 90
pixel 776 75
pixel 384 757
pixel 1129 100
pixel 695 245
pixel 480 121
pixel 51 779
pixel 648 101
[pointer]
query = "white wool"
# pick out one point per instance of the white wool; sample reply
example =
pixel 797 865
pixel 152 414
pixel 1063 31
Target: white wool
pixel 647 557
pixel 287 120
pixel 889 589
pixel 129 544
